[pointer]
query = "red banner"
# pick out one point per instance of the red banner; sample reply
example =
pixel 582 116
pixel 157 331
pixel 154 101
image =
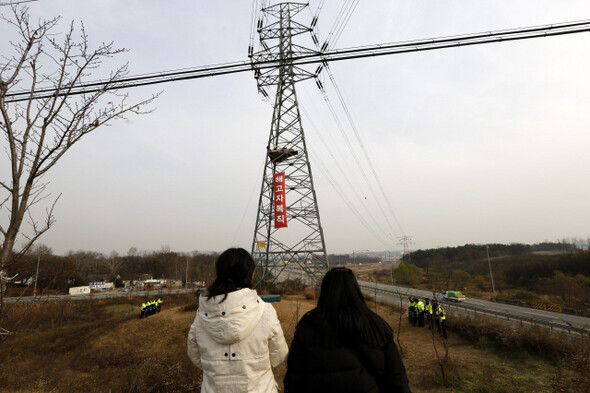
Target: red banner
pixel 279 196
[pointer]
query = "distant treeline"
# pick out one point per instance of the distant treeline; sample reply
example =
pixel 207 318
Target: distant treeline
pixel 78 268
pixel 542 258
pixel 560 269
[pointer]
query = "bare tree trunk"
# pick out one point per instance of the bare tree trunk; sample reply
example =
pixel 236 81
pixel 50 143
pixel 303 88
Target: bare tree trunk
pixel 39 131
pixel 399 325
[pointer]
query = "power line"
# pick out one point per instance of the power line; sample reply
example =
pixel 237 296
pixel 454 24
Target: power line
pixel 367 157
pixel 343 175
pixel 312 58
pixel 16 2
pixel 341 21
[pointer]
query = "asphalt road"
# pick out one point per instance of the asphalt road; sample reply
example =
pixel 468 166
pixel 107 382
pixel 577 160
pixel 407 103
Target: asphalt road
pixel 98 295
pixel 501 310
pixel 507 312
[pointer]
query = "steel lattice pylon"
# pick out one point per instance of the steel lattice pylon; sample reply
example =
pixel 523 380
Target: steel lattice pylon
pixel 302 242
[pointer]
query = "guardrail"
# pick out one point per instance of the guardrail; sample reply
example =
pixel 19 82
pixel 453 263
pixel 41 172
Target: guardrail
pixel 498 314
pixel 98 295
pixel 543 306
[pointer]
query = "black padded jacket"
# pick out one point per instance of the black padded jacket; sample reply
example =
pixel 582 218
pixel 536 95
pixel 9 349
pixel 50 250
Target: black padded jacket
pixel 313 367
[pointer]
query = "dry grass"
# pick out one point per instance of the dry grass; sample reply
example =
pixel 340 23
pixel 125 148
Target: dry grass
pixel 109 349
pixel 103 346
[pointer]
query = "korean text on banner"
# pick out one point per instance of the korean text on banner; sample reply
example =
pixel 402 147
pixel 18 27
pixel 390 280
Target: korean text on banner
pixel 279 199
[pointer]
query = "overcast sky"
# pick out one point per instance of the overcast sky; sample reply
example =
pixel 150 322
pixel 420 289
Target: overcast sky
pixel 477 144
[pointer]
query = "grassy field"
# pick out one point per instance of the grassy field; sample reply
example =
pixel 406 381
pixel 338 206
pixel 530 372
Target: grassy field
pixel 102 346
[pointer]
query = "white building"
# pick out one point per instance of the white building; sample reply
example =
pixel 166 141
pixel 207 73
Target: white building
pixel 80 290
pixel 101 286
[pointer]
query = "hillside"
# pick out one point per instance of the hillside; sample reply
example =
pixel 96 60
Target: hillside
pixel 102 346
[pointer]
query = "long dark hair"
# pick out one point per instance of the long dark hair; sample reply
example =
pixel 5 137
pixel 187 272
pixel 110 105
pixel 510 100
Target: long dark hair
pixel 234 269
pixel 343 317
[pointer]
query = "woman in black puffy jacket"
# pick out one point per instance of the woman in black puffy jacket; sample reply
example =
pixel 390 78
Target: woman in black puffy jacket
pixel 342 346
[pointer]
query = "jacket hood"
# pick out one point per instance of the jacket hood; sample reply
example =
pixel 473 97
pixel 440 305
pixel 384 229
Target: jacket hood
pixel 233 319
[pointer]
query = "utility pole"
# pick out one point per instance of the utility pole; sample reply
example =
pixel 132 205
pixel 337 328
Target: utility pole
pixel 288 228
pixel 490 266
pixel 391 261
pixel 36 275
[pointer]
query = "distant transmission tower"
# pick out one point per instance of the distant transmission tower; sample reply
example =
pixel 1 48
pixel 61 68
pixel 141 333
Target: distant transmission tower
pixel 405 241
pixel 288 231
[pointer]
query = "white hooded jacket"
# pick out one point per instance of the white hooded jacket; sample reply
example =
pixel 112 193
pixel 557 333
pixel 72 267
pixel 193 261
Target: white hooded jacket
pixel 236 342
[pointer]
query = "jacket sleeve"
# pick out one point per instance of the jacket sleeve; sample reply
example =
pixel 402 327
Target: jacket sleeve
pixel 394 378
pixel 294 378
pixel 277 345
pixel 193 349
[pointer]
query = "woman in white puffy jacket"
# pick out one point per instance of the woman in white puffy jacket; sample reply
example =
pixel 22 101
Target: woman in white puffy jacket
pixel 236 338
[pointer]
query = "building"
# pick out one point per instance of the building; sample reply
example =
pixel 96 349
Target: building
pixel 101 286
pixel 80 290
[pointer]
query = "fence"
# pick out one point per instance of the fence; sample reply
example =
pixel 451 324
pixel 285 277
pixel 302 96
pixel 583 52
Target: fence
pixel 475 309
pixel 543 306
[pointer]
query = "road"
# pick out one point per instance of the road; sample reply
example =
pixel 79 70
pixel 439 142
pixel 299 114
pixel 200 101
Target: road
pixel 475 305
pixel 99 295
pixel 390 294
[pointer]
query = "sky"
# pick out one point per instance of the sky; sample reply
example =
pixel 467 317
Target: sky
pixel 481 144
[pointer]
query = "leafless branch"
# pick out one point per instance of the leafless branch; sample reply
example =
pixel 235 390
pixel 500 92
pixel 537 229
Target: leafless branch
pixel 38 232
pixel 40 131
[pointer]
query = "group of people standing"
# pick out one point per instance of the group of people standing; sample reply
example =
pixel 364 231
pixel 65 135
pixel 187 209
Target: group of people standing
pixel 339 346
pixel 434 312
pixel 150 307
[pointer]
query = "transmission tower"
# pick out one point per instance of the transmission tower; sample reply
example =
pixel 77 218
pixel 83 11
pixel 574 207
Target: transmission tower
pixel 288 231
pixel 405 241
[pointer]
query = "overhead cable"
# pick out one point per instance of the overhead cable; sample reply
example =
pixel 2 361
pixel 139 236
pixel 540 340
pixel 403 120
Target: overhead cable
pixel 367 158
pixel 341 23
pixel 17 2
pixel 343 175
pixel 353 154
pixel 312 58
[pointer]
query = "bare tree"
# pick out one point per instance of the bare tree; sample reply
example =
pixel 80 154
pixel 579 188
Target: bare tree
pixel 114 262
pixel 402 296
pixel 41 128
pixel 437 283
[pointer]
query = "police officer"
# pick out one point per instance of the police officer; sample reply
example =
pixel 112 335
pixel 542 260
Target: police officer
pixel 159 303
pixel 143 310
pixel 428 310
pixel 420 311
pixel 435 315
pixel 411 311
pixel 440 312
